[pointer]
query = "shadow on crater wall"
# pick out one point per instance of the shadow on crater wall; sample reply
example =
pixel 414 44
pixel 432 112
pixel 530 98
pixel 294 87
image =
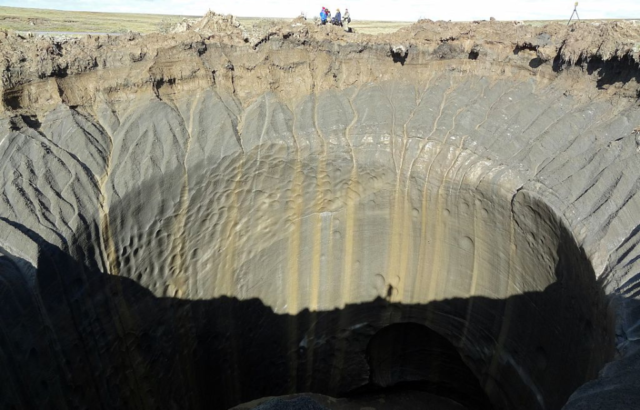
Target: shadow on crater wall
pixel 75 338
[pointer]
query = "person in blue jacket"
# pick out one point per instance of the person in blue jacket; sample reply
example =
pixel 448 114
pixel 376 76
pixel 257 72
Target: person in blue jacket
pixel 323 16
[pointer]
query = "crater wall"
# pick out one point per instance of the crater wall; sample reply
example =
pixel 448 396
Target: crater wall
pixel 212 221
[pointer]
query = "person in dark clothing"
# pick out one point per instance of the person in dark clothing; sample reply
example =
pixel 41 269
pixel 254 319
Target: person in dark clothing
pixel 337 20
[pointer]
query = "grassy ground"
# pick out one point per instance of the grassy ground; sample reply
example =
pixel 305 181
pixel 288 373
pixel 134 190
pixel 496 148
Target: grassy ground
pixel 378 27
pixel 21 19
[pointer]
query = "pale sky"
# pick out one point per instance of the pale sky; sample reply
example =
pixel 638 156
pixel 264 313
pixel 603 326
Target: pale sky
pixel 393 10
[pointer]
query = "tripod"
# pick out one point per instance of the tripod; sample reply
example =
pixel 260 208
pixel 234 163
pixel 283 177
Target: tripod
pixel 575 11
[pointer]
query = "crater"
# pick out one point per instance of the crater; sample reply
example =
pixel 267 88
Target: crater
pixel 320 226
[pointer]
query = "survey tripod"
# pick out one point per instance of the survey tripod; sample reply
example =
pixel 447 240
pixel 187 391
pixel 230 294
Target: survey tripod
pixel 575 11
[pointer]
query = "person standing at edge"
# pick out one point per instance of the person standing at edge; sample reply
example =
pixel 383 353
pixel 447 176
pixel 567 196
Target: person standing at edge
pixel 338 18
pixel 323 16
pixel 346 19
pixel 346 16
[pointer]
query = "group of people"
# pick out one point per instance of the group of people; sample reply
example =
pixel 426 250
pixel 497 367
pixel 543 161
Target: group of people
pixel 338 19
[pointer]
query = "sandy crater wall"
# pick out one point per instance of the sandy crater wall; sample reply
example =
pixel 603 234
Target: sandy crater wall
pixel 169 221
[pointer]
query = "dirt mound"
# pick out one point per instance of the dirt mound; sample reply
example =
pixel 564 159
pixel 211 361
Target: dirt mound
pixel 213 23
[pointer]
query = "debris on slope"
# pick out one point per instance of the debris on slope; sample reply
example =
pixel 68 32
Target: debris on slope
pixel 605 41
pixel 24 58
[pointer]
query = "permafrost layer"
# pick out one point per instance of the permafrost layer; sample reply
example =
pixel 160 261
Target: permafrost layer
pixel 207 218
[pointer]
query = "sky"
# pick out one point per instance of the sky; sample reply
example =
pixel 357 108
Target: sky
pixel 390 10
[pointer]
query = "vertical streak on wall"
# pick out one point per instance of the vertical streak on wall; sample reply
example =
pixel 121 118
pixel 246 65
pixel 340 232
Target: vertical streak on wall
pixel 108 245
pixel 438 255
pixel 294 285
pixel 316 226
pixel 294 213
pixel 120 309
pixel 505 323
pixel 352 203
pixel 478 242
pixel 348 270
pixel 180 273
pixel 326 259
pixel 401 245
pixel 424 242
pixel 318 206
pixel 224 281
pixel 416 289
pixel 177 268
pixel 478 235
pixel 443 214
